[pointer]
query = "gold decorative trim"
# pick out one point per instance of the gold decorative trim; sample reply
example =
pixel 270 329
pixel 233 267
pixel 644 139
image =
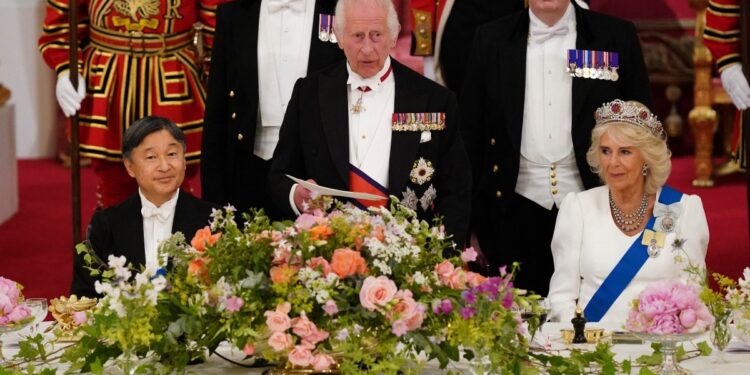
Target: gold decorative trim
pixel 422 33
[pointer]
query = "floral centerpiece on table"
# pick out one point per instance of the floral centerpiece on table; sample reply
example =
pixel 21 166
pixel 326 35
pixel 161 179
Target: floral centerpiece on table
pixel 669 307
pixel 343 289
pixel 12 310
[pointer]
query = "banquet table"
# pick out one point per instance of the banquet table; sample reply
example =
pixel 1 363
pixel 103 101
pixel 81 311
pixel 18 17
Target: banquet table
pixel 738 362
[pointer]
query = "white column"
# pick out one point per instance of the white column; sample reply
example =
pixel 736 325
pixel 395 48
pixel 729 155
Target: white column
pixel 32 83
pixel 8 170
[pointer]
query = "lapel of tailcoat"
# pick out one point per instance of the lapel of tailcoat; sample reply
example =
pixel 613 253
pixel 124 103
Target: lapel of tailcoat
pixel 334 114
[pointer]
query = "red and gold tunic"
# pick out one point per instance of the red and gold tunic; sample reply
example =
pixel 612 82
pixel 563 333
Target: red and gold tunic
pixel 425 21
pixel 722 32
pixel 137 58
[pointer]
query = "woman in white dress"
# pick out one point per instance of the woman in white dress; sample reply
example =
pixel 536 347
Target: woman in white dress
pixel 602 261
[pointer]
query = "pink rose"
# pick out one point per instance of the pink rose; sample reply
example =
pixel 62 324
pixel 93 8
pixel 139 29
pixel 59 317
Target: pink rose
pixel 376 292
pixel 404 308
pixel 320 264
pixel 688 317
pixel 331 308
pixel 278 321
pixel 456 280
pixel 302 326
pixel 280 341
pixel 415 320
pixel 249 349
pixel 321 362
pixel 469 255
pixel 315 337
pixel 234 303
pixel 444 269
pixel 300 356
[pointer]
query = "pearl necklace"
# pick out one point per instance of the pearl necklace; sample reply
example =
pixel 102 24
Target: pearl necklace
pixel 632 221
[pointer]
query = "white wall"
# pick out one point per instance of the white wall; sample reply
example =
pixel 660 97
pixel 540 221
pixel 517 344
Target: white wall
pixel 31 82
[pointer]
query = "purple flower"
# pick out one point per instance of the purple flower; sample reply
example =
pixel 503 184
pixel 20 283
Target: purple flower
pixel 467 312
pixel 508 300
pixel 446 306
pixel 469 297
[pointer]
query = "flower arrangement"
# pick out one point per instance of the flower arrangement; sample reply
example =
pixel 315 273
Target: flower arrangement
pixel 12 310
pixel 669 307
pixel 342 289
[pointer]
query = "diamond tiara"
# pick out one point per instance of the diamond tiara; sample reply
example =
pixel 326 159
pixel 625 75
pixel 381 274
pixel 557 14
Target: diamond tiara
pixel 631 112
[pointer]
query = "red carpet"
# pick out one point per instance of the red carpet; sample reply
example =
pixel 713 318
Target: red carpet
pixel 37 250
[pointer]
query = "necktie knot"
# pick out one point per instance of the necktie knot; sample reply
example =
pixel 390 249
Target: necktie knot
pixel 277 5
pixel 160 213
pixel 543 35
pixel 364 88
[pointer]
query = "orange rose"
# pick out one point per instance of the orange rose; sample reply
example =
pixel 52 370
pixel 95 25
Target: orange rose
pixel 198 269
pixel 320 232
pixel 346 262
pixel 282 274
pixel 204 237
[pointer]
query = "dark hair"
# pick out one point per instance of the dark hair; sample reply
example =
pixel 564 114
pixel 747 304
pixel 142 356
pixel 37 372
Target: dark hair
pixel 140 129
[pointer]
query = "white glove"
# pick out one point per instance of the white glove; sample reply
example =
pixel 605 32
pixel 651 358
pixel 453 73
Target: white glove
pixel 735 84
pixel 67 97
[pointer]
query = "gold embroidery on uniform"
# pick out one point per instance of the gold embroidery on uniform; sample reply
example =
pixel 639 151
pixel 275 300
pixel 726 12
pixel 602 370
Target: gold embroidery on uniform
pixel 138 12
pixel 173 9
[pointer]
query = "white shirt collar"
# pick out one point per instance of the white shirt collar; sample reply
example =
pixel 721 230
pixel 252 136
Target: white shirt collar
pixel 166 207
pixel 568 19
pixel 355 80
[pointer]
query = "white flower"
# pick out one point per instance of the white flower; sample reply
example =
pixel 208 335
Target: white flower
pixel 102 288
pixel 419 278
pixel 322 296
pixel 116 262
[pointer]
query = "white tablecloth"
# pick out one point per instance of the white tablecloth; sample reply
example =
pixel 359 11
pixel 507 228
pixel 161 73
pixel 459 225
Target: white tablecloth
pixel 738 362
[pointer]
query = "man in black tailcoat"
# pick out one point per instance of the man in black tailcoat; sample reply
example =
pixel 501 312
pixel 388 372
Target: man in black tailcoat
pixel 533 82
pixel 153 151
pixel 261 48
pixel 371 123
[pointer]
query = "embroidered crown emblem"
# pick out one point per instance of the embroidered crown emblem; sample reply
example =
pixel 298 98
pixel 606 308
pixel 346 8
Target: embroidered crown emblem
pixel 630 112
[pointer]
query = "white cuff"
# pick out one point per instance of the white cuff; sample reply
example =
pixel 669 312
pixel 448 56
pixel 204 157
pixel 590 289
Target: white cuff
pixel 291 200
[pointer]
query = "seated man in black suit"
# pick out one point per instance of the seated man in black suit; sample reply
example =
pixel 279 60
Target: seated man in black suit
pixel 371 124
pixel 153 150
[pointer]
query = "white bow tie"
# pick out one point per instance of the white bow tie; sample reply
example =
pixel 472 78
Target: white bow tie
pixel 277 5
pixel 542 35
pixel 162 213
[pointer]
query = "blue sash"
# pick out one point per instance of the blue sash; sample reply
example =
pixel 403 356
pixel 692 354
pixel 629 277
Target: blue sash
pixel 626 268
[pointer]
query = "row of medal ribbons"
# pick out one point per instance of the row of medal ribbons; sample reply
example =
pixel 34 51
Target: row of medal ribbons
pixel 593 64
pixel 325 28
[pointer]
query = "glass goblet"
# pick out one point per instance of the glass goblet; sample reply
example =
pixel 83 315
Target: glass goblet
pixel 38 308
pixel 8 329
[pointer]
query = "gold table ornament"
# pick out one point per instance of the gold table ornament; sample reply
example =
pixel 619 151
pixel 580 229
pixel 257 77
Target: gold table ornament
pixel 593 335
pixel 62 310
